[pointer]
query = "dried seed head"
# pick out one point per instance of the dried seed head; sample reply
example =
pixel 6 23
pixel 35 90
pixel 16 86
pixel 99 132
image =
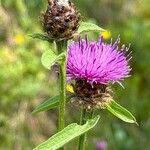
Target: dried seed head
pixel 92 96
pixel 61 19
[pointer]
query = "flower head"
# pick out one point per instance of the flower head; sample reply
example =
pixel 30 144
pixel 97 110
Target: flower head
pixel 97 61
pixel 93 65
pixel 101 145
pixel 61 19
pixel 106 35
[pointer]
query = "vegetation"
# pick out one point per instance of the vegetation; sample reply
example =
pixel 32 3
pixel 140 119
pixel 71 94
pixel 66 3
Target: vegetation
pixel 25 83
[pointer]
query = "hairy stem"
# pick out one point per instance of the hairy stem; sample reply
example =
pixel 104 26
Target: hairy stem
pixel 61 46
pixel 82 138
pixel 85 115
pixel 62 71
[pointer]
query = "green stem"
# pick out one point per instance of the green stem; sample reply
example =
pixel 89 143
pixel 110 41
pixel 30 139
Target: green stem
pixel 82 138
pixel 61 46
pixel 62 71
pixel 84 116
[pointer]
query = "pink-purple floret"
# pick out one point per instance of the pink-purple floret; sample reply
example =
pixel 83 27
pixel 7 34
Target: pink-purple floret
pixel 97 61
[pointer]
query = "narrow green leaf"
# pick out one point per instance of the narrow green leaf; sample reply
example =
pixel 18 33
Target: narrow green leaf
pixel 67 134
pixel 88 26
pixel 41 37
pixel 49 58
pixel 121 112
pixel 50 103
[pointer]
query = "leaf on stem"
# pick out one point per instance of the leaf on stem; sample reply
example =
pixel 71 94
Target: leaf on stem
pixel 88 26
pixel 41 37
pixel 121 112
pixel 50 103
pixel 49 58
pixel 67 134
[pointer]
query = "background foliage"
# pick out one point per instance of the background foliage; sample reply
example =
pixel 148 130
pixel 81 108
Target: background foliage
pixel 24 82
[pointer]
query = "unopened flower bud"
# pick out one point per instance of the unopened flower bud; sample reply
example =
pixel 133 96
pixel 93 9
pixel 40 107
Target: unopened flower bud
pixel 61 19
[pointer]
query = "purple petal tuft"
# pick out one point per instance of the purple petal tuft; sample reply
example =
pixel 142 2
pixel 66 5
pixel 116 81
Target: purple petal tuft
pixel 97 61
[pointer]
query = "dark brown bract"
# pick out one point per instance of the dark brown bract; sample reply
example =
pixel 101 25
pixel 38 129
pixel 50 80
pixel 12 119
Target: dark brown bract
pixel 92 96
pixel 61 19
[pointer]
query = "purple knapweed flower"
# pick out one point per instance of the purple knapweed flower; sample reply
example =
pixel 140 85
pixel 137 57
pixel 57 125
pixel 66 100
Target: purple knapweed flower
pixel 97 61
pixel 101 145
pixel 93 65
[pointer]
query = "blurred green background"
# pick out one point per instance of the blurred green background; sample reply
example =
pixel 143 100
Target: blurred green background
pixel 24 82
